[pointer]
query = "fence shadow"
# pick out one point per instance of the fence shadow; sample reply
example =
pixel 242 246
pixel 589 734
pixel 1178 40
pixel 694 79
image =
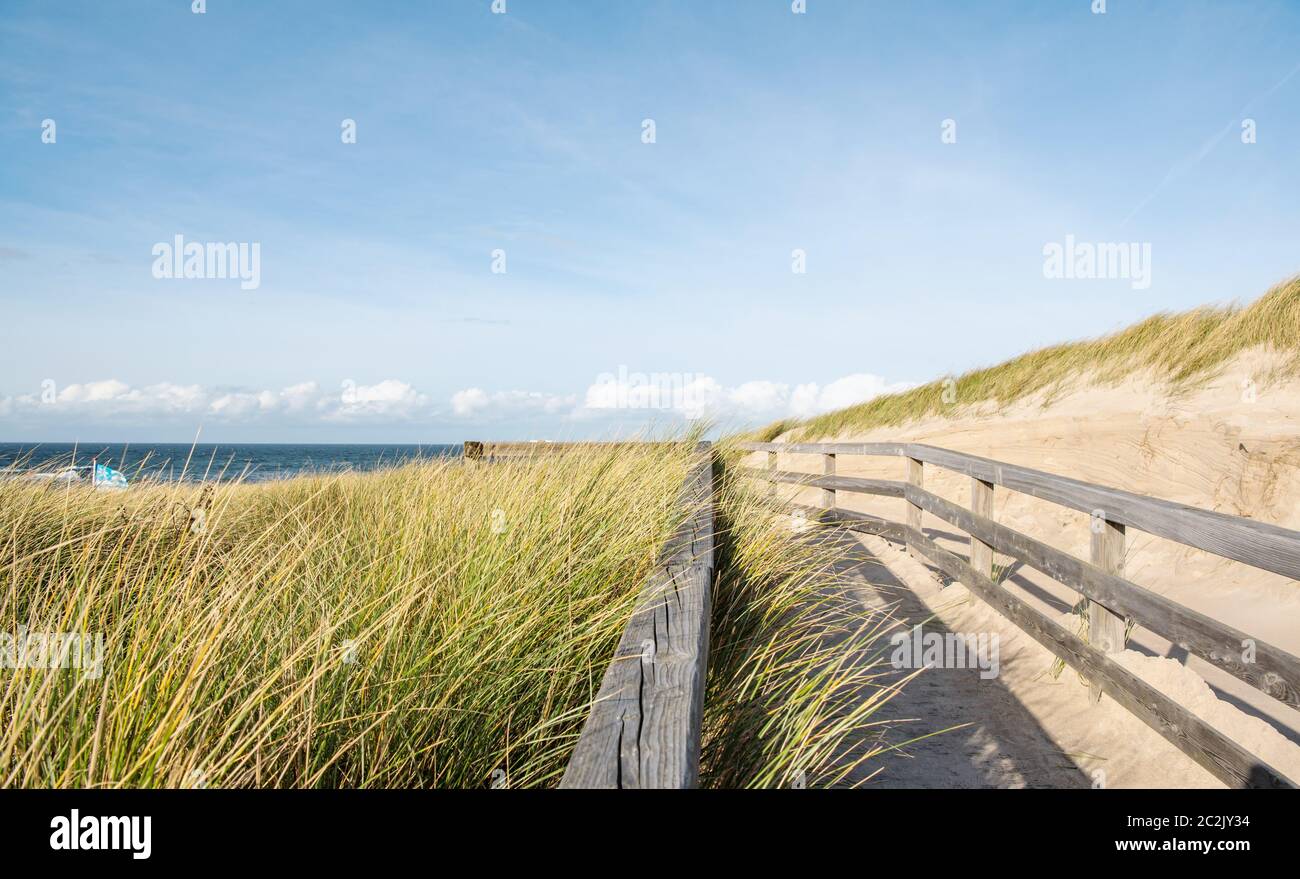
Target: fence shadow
pixel 999 743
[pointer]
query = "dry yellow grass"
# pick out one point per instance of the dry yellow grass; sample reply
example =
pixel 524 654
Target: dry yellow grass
pixel 428 625
pixel 439 624
pixel 1181 349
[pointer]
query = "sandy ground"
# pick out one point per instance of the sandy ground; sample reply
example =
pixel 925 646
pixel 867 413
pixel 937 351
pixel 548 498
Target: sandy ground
pixel 947 727
pixel 1030 718
pixel 1231 445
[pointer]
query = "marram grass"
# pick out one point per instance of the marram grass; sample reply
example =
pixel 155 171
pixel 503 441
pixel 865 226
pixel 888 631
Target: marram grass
pixel 1181 349
pixel 798 666
pixel 440 624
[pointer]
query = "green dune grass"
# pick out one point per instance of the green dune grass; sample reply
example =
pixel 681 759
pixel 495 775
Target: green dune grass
pixel 439 624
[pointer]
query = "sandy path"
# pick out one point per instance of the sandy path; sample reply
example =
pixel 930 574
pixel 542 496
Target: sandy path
pixel 1001 744
pixel 1231 444
pixel 951 727
pixel 1106 746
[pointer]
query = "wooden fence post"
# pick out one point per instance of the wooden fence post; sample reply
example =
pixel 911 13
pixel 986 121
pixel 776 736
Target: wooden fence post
pixel 1106 629
pixel 771 468
pixel 981 504
pixel 828 494
pixel 916 477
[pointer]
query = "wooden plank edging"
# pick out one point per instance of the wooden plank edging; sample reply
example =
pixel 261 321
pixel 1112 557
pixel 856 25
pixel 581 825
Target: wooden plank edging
pixel 644 727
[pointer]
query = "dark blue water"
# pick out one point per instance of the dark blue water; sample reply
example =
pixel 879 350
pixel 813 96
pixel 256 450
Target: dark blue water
pixel 251 462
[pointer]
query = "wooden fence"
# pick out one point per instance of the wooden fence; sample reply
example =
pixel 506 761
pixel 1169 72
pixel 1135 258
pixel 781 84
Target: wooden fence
pixel 1113 600
pixel 644 727
pixel 478 450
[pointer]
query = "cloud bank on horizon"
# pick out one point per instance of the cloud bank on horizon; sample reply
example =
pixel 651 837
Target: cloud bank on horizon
pixel 623 404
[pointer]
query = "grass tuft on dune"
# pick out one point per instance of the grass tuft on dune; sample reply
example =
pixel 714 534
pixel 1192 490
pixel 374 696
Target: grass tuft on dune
pixel 1182 349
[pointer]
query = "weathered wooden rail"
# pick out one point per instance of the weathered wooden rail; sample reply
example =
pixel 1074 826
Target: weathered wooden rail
pixel 478 450
pixel 643 730
pixel 1113 600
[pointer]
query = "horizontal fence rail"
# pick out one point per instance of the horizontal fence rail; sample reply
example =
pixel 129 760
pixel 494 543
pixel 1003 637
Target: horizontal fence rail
pixel 644 727
pixel 884 487
pixel 1113 599
pixel 479 450
pixel 1257 544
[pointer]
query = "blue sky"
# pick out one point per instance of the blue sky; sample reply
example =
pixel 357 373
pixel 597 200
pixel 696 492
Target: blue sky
pixel 378 316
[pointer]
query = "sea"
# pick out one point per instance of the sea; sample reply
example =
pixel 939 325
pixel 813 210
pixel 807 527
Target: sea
pixel 251 462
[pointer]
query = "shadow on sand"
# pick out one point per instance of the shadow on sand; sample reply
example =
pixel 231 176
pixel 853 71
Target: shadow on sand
pixel 999 745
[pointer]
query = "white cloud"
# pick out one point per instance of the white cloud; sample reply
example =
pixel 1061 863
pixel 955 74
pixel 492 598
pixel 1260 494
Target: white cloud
pixel 475 402
pixel 389 398
pixel 760 396
pixel 96 392
pixel 242 405
pixel 183 398
pixel 611 397
pixel 467 402
pixel 810 399
pixel 689 395
pixel 112 399
pixel 111 396
pixel 298 396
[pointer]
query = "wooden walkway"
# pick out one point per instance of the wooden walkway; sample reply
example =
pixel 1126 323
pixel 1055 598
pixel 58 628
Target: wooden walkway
pixel 644 730
pixel 999 744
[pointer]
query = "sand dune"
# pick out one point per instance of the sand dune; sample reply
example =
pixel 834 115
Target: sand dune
pixel 1230 444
